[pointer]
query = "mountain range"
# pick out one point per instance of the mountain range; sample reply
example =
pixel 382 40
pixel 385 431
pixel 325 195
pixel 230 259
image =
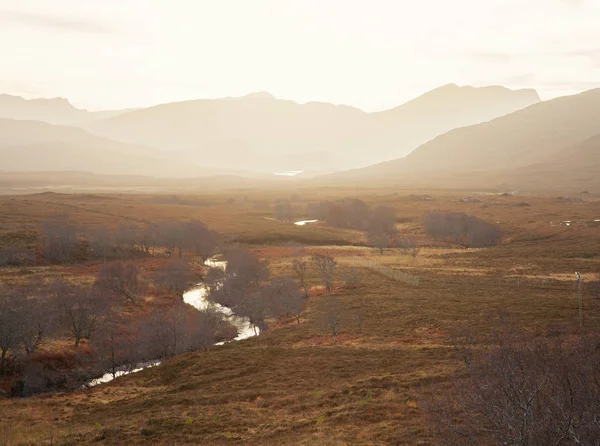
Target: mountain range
pixel 52 111
pixel 486 137
pixel 260 133
pixel 558 140
pixel 33 146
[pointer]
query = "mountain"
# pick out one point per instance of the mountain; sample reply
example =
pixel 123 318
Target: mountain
pixel 52 111
pixel 261 133
pixel 560 135
pixel 38 146
pixel 446 108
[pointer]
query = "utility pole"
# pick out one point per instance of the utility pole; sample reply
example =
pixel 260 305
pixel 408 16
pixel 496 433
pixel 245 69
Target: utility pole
pixel 580 300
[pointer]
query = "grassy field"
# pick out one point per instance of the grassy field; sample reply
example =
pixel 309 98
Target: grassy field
pixel 294 385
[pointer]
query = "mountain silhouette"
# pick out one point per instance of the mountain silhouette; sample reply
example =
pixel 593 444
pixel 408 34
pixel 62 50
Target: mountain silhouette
pixel 560 135
pixel 38 146
pixel 52 111
pixel 261 133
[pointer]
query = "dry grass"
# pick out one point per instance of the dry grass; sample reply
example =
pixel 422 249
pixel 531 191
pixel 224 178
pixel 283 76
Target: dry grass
pixel 293 385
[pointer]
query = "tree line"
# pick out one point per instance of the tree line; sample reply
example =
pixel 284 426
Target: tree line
pixel 40 313
pixel 61 241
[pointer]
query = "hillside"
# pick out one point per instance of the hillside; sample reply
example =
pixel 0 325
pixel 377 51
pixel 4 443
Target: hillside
pixel 52 111
pixel 37 146
pixel 262 133
pixel 549 136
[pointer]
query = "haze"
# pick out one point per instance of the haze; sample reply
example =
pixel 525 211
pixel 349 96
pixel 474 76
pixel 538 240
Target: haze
pixel 370 54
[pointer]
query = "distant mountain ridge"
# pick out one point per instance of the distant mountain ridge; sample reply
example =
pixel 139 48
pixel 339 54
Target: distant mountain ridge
pixel 559 139
pixel 52 111
pixel 33 146
pixel 262 133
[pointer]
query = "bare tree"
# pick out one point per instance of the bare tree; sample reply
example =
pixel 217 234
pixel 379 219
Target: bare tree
pixel 461 228
pixel 157 334
pixel 287 299
pixel 256 307
pixel 379 239
pixel 120 278
pixel 10 326
pixel 172 236
pixel 126 236
pixel 407 244
pixel 332 315
pixel 359 318
pixel 300 268
pixel 204 325
pixel 177 276
pixel 100 240
pixel 325 265
pixel 59 240
pixel 37 318
pixel 246 266
pixel 80 310
pixel 149 238
pixel 201 239
pixel 284 211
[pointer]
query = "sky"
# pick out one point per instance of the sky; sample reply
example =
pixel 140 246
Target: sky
pixel 372 54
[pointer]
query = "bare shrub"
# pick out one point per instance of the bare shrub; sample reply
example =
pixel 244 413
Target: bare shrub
pixel 120 278
pixel 406 245
pixel 378 239
pixel 126 236
pixel 59 240
pixel 80 310
pixel 202 240
pixel 284 211
pixel 149 238
pixel 100 242
pixel 353 214
pixel 287 299
pixel 521 391
pixel 10 326
pixel 332 315
pixel 300 268
pixel 325 266
pixel 462 229
pixel 177 276
pixel 358 317
pixel 38 319
pixel 15 256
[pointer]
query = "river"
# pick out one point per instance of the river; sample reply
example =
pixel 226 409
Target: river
pixel 198 298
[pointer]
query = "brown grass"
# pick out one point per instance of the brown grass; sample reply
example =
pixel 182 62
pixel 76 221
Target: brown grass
pixel 293 385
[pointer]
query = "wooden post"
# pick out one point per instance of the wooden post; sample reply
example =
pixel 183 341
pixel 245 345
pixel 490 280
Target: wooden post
pixel 580 299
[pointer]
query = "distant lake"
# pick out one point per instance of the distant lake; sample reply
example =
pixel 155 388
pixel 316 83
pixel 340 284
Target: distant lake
pixel 289 173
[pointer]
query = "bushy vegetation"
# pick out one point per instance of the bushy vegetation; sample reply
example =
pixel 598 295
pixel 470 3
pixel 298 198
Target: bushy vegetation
pixel 520 391
pixel 461 229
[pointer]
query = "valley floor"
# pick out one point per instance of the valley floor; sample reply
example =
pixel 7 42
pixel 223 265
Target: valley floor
pixel 293 384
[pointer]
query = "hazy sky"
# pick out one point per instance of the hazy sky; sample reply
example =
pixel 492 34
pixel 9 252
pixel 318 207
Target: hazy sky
pixel 373 54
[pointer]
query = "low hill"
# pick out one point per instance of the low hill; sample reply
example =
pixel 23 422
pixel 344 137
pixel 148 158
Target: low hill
pixel 36 146
pixel 262 133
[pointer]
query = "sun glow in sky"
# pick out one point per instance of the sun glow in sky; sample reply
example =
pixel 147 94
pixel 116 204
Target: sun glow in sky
pixel 372 54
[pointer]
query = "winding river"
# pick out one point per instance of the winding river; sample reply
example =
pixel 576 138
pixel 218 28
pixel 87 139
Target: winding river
pixel 198 298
